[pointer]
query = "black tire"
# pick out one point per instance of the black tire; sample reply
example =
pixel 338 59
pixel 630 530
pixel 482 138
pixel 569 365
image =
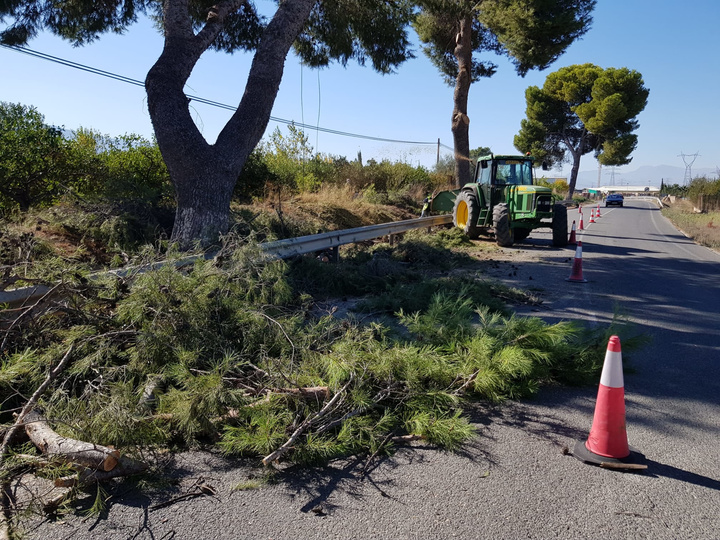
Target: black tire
pixel 521 234
pixel 501 222
pixel 559 226
pixel 466 213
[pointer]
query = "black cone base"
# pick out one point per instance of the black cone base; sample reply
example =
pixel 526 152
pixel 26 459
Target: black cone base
pixel 635 461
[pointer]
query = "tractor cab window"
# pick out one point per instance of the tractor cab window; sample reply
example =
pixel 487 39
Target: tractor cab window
pixel 484 176
pixel 513 171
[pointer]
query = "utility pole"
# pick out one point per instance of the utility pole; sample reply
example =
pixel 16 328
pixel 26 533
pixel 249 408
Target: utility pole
pixel 688 166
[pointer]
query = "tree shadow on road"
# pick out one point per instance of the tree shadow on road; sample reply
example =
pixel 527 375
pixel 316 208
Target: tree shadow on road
pixel 656 469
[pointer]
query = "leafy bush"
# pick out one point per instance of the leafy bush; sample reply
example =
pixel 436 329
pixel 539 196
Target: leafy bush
pixel 705 194
pixel 30 158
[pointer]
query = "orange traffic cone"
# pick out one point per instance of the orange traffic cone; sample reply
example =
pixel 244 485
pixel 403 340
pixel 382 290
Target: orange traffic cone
pixel 576 273
pixel 607 444
pixel 597 212
pixel 592 215
pixel 572 240
pixel 580 227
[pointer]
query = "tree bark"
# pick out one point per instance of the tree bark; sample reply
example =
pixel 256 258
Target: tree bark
pixel 576 153
pixel 97 460
pixel 202 174
pixel 460 121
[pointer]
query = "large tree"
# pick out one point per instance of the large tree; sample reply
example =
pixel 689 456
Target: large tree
pixel 582 109
pixel 205 174
pixel 31 154
pixel 532 33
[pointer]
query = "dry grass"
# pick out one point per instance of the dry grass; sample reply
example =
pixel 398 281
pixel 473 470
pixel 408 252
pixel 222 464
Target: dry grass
pixel 703 228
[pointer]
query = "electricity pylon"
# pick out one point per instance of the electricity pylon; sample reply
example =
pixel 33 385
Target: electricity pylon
pixel 688 166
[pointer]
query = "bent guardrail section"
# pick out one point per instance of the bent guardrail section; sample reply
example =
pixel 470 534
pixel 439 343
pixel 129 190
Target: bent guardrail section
pixel 280 249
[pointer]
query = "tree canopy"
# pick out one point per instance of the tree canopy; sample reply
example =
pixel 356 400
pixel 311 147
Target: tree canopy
pixel 203 174
pixel 582 109
pixel 30 155
pixel 531 33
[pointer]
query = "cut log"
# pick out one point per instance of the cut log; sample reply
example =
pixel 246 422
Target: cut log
pixel 96 462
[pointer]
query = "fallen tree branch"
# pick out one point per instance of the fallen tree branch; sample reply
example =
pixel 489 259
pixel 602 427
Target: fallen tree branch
pixel 25 312
pixel 468 382
pixel 306 424
pixel 93 461
pixel 148 399
pixel 33 401
pixel 5 513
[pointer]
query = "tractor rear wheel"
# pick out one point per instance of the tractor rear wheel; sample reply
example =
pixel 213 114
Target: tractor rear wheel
pixel 466 214
pixel 501 222
pixel 559 226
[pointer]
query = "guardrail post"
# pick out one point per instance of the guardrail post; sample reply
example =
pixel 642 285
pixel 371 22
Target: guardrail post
pixel 336 254
pixel 391 239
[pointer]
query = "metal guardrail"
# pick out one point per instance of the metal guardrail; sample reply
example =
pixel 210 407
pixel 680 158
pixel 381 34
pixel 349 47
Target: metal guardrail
pixel 280 249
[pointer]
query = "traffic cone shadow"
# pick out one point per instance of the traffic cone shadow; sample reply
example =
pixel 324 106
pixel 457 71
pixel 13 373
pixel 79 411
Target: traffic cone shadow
pixel 576 274
pixel 607 444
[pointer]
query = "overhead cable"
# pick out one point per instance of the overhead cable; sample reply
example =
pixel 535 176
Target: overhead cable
pixel 202 100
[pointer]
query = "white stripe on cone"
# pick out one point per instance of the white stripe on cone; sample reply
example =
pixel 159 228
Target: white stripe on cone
pixel 612 374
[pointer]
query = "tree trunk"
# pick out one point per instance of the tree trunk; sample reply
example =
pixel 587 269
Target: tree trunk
pixel 576 155
pixel 460 121
pixel 204 175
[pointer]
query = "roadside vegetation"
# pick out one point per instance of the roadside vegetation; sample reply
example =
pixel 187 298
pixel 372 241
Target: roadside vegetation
pixel 298 361
pixel 696 210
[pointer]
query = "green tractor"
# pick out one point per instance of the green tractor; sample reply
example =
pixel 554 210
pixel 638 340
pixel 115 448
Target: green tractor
pixel 503 198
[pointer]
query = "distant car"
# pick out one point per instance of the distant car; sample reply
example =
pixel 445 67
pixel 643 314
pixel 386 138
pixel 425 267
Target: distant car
pixel 614 198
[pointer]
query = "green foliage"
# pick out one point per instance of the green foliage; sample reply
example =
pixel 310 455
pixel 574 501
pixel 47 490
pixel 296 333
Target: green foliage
pixel 30 158
pixel 215 353
pixel 536 32
pixel 345 30
pixel 480 151
pixel 134 170
pixel 437 25
pixel 286 157
pixel 704 194
pixel 673 189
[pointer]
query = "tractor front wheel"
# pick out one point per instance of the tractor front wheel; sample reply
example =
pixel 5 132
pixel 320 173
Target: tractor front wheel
pixel 501 222
pixel 466 214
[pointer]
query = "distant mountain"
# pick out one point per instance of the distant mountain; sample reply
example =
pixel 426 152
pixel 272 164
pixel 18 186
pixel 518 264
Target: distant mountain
pixel 650 175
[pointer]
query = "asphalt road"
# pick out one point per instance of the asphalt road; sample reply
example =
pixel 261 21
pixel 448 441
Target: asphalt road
pixel 514 481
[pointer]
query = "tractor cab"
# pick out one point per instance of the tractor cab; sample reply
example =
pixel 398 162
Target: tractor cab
pixel 495 173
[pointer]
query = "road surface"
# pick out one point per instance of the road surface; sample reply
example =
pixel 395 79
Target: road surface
pixel 515 480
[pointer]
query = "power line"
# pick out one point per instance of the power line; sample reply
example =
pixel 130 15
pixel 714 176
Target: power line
pixel 198 99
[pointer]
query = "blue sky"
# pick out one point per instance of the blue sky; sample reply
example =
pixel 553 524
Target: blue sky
pixel 673 45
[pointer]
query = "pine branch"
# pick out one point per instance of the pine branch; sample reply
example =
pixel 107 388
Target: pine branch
pixel 307 423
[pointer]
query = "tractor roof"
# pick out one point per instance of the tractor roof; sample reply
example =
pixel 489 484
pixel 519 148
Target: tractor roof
pixel 505 156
